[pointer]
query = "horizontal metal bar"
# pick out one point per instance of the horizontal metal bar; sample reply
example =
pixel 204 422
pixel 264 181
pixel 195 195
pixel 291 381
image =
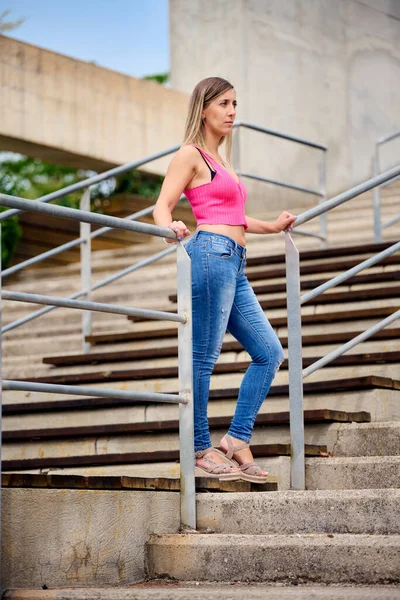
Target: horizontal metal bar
pixel 68 245
pixel 41 257
pixel 279 134
pixel 281 183
pixel 391 222
pixel 357 340
pixel 392 136
pixel 36 314
pixel 309 234
pixel 86 391
pixel 387 183
pixel 85 216
pixel 347 274
pixel 93 306
pixel 345 196
pixel 139 265
pixel 81 185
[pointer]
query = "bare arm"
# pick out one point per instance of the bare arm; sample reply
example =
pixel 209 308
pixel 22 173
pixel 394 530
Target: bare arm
pixel 181 171
pixel 283 222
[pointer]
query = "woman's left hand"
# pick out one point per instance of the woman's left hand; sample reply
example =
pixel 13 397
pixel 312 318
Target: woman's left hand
pixel 284 222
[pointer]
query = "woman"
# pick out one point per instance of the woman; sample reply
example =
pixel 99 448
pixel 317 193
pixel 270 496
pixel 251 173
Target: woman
pixel 222 296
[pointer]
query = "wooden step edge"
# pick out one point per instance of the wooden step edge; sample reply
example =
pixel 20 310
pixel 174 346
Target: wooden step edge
pixel 275 288
pixel 108 376
pixel 141 457
pixel 366 294
pixel 309 388
pixel 172 426
pixel 112 482
pixel 330 317
pixel 231 346
pixel 325 253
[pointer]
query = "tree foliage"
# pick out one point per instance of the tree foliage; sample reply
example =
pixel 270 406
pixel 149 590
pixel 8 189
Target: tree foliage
pixel 8 25
pixel 32 178
pixel 160 78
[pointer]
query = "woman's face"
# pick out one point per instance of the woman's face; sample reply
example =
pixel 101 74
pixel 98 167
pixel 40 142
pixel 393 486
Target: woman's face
pixel 220 114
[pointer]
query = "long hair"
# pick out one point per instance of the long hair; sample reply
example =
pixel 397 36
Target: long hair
pixel 203 94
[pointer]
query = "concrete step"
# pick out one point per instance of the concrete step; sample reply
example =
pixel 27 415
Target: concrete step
pixel 278 468
pixel 341 439
pixel 119 378
pixel 371 472
pixel 382 403
pixel 76 443
pixel 367 439
pixel 373 512
pixel 26 367
pixel 174 590
pixel 339 558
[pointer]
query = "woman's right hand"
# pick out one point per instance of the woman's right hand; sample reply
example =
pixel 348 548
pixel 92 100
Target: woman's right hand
pixel 180 229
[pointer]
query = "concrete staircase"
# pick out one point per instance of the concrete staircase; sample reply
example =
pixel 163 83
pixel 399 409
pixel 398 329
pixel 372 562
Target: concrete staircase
pixel 343 529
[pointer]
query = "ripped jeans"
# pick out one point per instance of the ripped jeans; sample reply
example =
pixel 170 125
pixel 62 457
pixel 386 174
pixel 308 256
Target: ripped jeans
pixel 224 300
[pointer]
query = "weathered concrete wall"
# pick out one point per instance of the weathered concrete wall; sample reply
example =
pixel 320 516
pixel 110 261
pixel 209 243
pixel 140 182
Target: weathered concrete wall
pixel 74 112
pixel 324 70
pixel 80 537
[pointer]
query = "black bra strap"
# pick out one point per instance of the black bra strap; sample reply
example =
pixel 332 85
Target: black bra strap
pixel 212 171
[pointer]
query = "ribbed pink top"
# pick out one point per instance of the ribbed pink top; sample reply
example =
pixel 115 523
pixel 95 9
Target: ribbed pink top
pixel 220 201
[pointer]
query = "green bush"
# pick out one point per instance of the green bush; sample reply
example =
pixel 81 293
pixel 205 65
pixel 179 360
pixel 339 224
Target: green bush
pixel 10 234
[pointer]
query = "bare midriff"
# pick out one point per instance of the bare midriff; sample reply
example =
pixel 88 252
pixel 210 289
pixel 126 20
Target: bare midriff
pixel 236 232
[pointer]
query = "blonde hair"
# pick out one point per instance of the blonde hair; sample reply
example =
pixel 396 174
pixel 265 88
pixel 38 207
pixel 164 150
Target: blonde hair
pixel 203 94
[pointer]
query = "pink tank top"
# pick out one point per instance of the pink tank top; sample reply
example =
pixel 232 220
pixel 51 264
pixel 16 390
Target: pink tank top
pixel 220 201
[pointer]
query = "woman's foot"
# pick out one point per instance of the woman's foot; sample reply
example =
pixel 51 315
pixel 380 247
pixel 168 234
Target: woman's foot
pixel 213 463
pixel 240 452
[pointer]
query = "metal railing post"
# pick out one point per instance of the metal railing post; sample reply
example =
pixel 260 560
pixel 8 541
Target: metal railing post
pixel 1 406
pixel 86 271
pixel 377 198
pixel 295 365
pixel 236 150
pixel 323 219
pixel 185 364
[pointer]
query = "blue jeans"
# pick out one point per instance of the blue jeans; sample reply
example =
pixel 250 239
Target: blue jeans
pixel 224 300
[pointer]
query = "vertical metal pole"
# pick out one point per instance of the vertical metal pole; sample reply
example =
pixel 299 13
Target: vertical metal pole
pixel 236 150
pixel 86 271
pixel 323 219
pixel 1 410
pixel 295 364
pixel 185 364
pixel 377 198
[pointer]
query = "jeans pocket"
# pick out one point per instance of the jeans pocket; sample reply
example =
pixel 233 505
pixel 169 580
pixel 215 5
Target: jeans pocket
pixel 220 249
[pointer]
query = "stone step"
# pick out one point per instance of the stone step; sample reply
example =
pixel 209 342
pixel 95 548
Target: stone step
pixel 378 396
pixel 229 362
pixel 110 331
pixel 371 472
pixel 322 428
pixel 373 512
pixel 35 347
pixel 113 451
pixel 341 438
pixel 173 590
pixel 323 558
pixel 159 354
pixel 264 281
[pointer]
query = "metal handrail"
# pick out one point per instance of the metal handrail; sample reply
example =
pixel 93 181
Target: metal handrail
pixel 81 185
pixel 294 302
pixel 378 225
pixel 72 244
pixel 321 192
pixel 81 240
pixel 183 317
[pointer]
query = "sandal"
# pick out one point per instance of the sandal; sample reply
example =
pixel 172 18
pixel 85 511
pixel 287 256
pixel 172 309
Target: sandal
pixel 226 471
pixel 250 471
